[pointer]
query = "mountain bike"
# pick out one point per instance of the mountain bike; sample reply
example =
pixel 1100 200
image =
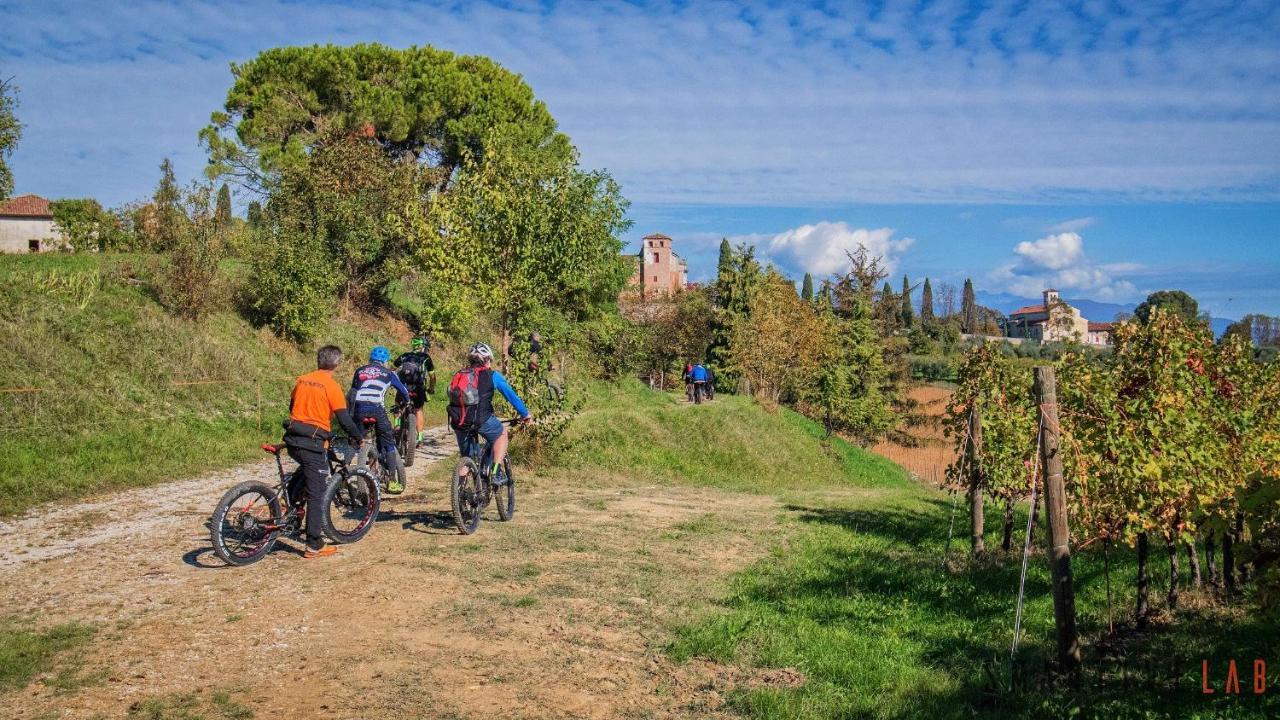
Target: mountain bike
pixel 370 458
pixel 471 487
pixel 252 516
pixel 406 421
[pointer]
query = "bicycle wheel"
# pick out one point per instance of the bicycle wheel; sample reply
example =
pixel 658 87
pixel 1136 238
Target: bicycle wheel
pixel 506 493
pixel 408 439
pixel 351 503
pixel 465 496
pixel 245 523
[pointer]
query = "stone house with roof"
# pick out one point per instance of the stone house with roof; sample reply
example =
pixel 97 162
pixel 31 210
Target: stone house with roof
pixel 1055 321
pixel 659 271
pixel 26 225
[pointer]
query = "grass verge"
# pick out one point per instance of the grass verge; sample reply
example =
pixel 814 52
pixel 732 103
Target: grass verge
pixel 26 653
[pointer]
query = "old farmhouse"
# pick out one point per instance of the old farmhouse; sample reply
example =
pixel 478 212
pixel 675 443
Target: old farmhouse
pixel 26 225
pixel 1056 321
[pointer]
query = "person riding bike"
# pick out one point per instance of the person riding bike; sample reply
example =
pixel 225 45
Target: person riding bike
pixel 316 398
pixel 699 376
pixel 369 388
pixel 418 373
pixel 471 404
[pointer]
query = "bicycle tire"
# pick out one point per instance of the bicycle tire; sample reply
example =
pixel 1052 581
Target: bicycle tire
pixel 217 533
pixel 358 492
pixel 409 439
pixel 505 496
pixel 462 496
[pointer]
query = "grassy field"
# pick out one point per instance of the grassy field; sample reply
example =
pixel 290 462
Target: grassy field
pixel 102 372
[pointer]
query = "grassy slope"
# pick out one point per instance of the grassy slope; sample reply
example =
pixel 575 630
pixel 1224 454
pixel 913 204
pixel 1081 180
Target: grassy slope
pixel 108 352
pixel 854 594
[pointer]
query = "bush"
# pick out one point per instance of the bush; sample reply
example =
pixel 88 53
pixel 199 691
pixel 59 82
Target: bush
pixel 187 286
pixel 931 368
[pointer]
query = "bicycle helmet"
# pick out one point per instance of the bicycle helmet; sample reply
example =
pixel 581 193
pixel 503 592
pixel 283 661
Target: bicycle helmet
pixel 379 354
pixel 418 344
pixel 480 351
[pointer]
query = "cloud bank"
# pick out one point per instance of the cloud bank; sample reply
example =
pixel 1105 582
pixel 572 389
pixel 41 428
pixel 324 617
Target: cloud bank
pixel 731 103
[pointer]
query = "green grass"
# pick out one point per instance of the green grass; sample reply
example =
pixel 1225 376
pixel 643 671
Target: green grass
pixel 855 597
pixel 85 329
pixel 730 443
pixel 26 653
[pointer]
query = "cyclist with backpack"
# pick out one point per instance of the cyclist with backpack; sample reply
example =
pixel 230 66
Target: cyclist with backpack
pixel 369 388
pixel 471 404
pixel 416 370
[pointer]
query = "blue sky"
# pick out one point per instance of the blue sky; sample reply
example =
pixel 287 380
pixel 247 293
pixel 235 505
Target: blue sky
pixel 1109 148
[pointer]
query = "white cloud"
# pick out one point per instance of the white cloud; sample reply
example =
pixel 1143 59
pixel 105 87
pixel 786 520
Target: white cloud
pixel 1053 252
pixel 1059 261
pixel 823 248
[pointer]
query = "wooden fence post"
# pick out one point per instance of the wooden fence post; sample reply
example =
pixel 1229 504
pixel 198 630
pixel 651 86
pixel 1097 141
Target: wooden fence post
pixel 1055 511
pixel 976 517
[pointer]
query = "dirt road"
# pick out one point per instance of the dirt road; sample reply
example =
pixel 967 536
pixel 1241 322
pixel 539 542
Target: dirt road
pixel 558 614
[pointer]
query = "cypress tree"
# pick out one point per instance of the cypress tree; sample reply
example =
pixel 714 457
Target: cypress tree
pixel 725 268
pixel 169 216
pixel 908 314
pixel 254 213
pixel 926 303
pixel 968 308
pixel 222 214
pixel 806 290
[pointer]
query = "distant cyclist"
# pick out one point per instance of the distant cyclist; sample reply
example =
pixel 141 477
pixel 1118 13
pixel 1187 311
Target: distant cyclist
pixel 316 398
pixel 369 388
pixel 471 404
pixel 699 376
pixel 418 373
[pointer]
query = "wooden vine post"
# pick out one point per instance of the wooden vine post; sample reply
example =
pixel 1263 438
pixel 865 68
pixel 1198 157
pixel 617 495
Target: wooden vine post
pixel 974 452
pixel 1055 510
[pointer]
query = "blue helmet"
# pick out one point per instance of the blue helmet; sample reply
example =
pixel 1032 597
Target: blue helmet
pixel 379 354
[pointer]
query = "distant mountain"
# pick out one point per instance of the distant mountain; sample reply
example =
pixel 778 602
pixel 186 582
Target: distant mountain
pixel 1092 310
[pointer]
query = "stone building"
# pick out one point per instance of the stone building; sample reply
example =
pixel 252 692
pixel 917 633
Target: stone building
pixel 1055 321
pixel 26 225
pixel 659 271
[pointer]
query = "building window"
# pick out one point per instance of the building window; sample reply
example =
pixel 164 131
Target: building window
pixel 655 258
pixel 33 245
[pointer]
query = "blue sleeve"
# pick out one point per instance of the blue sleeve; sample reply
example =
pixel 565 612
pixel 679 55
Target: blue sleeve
pixel 501 385
pixel 398 385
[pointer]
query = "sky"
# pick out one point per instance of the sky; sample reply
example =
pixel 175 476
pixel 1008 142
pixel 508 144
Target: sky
pixel 1107 148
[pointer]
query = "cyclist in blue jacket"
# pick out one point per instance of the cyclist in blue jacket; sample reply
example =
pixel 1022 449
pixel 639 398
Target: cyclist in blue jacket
pixel 368 395
pixel 481 379
pixel 699 375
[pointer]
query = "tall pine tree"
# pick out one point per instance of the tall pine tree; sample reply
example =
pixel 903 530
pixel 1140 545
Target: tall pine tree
pixel 968 308
pixel 222 215
pixel 908 314
pixel 806 289
pixel 926 303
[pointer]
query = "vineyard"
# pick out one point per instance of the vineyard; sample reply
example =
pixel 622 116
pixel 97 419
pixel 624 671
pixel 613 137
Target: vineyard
pixel 1171 439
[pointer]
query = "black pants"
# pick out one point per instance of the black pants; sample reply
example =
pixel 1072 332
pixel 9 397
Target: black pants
pixel 313 465
pixel 699 389
pixel 382 426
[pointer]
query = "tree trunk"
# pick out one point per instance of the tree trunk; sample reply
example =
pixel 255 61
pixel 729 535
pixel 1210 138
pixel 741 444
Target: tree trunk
pixel 976 517
pixel 1144 582
pixel 1229 562
pixel 1210 559
pixel 1193 557
pixel 1008 525
pixel 1172 546
pixel 1106 569
pixel 1244 567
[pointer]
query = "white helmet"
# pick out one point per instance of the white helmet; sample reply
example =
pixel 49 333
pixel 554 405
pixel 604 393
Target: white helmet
pixel 481 352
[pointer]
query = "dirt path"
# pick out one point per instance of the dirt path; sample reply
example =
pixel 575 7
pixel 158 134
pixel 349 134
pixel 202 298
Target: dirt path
pixel 555 615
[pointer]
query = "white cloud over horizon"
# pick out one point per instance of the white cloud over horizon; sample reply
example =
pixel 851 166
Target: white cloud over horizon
pixel 822 249
pixel 747 103
pixel 1059 261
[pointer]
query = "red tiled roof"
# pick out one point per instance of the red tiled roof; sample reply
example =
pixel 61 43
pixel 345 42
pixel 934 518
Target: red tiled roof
pixel 1028 310
pixel 1100 327
pixel 26 206
pixel 657 236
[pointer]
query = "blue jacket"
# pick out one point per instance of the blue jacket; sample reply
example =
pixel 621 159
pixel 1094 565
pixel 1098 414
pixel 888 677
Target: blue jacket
pixel 371 382
pixel 699 373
